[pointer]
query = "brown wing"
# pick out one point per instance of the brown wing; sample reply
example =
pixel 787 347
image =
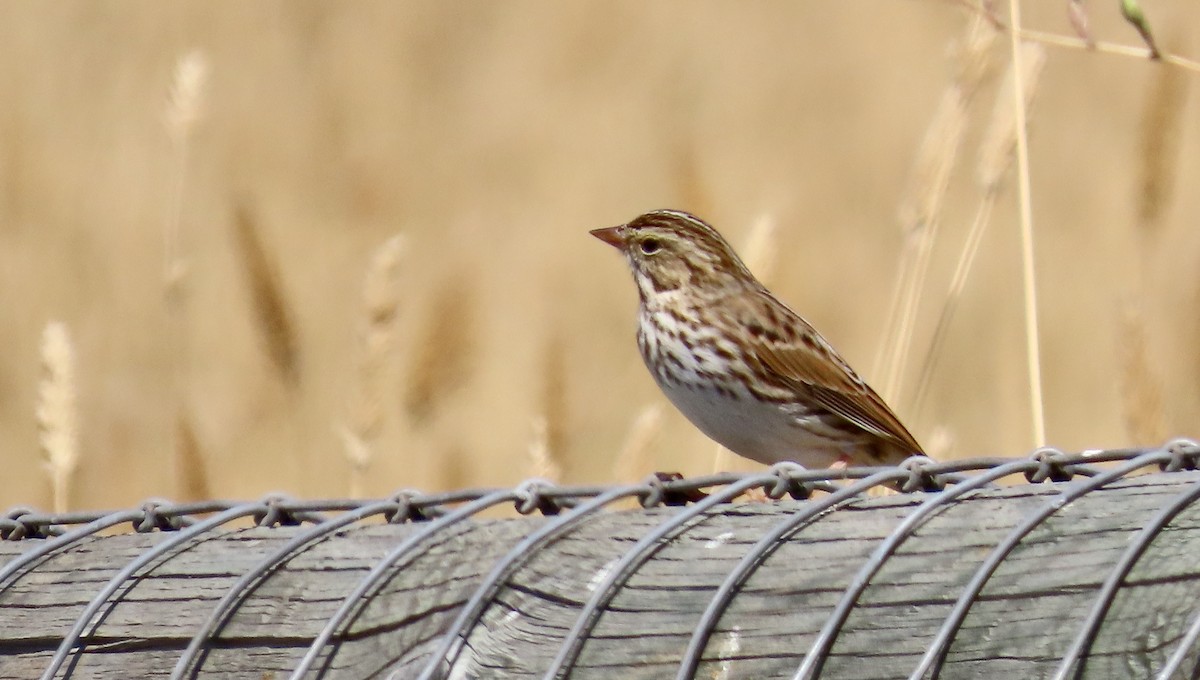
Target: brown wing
pixel 810 365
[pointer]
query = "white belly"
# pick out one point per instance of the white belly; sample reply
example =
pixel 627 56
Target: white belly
pixel 763 432
pixel 725 411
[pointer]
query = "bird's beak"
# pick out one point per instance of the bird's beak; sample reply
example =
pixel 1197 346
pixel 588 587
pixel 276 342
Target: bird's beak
pixel 613 236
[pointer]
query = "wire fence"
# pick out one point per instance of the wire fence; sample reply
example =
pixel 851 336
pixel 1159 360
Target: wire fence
pixel 567 507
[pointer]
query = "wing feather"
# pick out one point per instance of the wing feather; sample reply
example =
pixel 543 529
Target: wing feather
pixel 814 368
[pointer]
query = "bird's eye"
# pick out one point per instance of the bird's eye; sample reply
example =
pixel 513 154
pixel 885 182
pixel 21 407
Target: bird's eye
pixel 650 246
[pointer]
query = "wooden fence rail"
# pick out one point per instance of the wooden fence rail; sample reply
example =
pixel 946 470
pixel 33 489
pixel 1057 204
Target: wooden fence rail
pixel 993 582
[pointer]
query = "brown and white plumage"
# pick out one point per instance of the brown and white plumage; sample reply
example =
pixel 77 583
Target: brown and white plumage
pixel 742 366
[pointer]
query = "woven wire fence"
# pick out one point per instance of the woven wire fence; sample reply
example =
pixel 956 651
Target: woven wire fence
pixel 566 508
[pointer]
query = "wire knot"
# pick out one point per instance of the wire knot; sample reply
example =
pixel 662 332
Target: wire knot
pixel 1185 455
pixel 660 489
pixel 1052 465
pixel 154 519
pixel 406 508
pixel 15 527
pixel 531 497
pixel 920 477
pixel 274 513
pixel 786 482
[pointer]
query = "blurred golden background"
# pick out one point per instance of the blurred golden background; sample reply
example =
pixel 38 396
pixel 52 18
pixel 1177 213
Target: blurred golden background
pixel 200 191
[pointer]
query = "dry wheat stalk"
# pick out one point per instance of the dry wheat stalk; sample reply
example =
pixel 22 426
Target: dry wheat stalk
pixel 995 157
pixel 920 210
pixel 940 443
pixel 271 309
pixel 183 112
pixel 186 99
pixel 185 106
pixel 761 248
pixel 1141 387
pixel 542 464
pixel 1024 196
pixel 1159 145
pixel 441 356
pixel 551 427
pixel 194 484
pixel 1069 42
pixel 975 56
pixel 1084 42
pixel 57 413
pixel 455 469
pixel 1000 139
pixel 375 361
pixel 921 215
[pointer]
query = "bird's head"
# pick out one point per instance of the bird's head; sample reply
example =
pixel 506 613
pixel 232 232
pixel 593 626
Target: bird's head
pixel 671 250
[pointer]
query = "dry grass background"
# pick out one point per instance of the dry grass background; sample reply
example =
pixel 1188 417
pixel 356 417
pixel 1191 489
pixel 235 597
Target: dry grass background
pixel 216 230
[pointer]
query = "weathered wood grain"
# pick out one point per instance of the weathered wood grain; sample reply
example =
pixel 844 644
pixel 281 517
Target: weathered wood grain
pixel 1024 620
